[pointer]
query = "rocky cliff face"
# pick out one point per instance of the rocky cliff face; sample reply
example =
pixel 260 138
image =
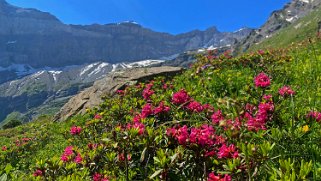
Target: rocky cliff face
pixel 29 36
pixel 279 19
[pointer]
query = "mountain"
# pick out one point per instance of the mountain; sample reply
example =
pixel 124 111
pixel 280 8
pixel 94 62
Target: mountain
pixel 279 19
pixel 45 91
pixel 39 39
pixel 298 31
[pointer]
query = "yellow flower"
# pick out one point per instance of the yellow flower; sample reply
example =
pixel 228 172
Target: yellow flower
pixel 305 128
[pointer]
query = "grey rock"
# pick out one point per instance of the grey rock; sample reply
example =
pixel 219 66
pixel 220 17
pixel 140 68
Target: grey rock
pixel 91 96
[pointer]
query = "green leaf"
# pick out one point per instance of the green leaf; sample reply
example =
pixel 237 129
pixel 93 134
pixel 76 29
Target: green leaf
pixel 142 157
pixel 156 173
pixel 8 168
pixel 4 177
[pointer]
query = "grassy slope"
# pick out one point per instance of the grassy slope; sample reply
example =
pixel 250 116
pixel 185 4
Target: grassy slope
pixel 297 32
pixel 222 87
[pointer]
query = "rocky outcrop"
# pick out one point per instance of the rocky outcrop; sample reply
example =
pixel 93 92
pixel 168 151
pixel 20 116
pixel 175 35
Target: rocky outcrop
pixel 91 96
pixel 278 20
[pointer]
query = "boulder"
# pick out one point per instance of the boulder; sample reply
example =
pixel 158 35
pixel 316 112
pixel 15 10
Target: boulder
pixel 92 96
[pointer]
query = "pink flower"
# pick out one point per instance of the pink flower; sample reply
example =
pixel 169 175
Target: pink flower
pixel 147 110
pixel 92 146
pixel 255 124
pixel 161 108
pixel 121 157
pixel 147 92
pixel 67 154
pixel 213 177
pixel 180 97
pixel 120 92
pixel 286 91
pixel 137 125
pixel 263 114
pixel 210 153
pixel 182 135
pixel 171 132
pixel 38 173
pixel 195 106
pixel 75 130
pixel 267 97
pixel 98 116
pixel 217 117
pixel 78 159
pixel 140 126
pixel 262 80
pixel 208 107
pixel 227 151
pixel 99 177
pixel 315 115
pixel 165 86
pixel 4 148
pixel 261 52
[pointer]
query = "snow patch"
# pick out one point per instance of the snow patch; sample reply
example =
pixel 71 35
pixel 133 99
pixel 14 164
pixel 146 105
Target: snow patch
pixel 201 50
pixel 98 69
pixel 87 68
pixel 306 1
pixel 54 74
pixel 144 63
pixel 239 30
pixel 37 74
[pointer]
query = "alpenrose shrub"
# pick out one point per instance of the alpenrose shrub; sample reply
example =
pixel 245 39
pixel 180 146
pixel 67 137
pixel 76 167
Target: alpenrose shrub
pixel 168 135
pixel 224 119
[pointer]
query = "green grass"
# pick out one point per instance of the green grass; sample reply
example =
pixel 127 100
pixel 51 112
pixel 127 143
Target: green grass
pixel 289 149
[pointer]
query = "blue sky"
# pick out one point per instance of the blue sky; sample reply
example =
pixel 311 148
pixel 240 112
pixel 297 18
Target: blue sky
pixel 173 16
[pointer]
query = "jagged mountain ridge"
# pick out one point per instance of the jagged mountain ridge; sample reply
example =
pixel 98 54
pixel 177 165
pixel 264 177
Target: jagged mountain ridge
pixel 278 20
pixel 40 39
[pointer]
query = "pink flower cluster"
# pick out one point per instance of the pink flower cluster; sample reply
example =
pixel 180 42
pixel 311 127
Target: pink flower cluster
pixel 213 177
pixel 148 109
pixel 148 92
pixel 161 109
pixel 286 91
pixel 202 136
pixel 75 130
pixel 195 106
pixel 137 125
pixel 22 142
pixel 70 154
pixel 217 117
pixel 227 152
pixel 262 80
pixel 98 116
pixel 120 92
pixel 38 173
pixel 314 115
pixel 99 177
pixel 180 97
pixel 265 110
pixel 4 148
